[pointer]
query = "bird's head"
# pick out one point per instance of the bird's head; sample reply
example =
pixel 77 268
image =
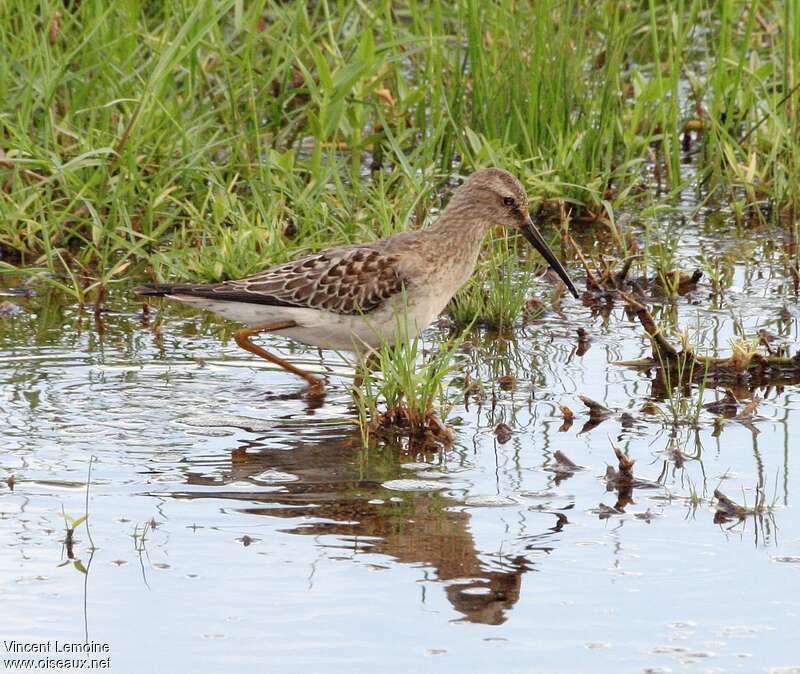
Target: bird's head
pixel 498 198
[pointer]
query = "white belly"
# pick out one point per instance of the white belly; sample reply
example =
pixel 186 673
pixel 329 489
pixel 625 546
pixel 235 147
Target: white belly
pixel 341 332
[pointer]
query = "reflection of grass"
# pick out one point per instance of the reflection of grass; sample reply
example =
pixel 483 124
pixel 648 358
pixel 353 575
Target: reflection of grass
pixel 435 504
pixel 695 498
pixel 70 525
pixel 761 505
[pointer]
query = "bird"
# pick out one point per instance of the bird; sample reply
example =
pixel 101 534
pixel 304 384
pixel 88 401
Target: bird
pixel 351 297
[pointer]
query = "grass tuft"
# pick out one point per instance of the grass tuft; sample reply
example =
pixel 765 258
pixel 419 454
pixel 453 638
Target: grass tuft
pixel 402 394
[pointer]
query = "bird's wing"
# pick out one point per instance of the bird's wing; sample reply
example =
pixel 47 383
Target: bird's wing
pixel 343 281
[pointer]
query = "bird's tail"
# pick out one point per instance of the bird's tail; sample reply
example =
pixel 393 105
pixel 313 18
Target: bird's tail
pixel 160 289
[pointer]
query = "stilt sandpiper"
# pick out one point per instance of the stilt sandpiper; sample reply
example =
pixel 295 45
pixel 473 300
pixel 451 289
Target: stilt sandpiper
pixel 349 297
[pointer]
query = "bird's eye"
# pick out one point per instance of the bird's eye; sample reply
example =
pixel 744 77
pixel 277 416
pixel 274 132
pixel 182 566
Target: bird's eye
pixel 508 201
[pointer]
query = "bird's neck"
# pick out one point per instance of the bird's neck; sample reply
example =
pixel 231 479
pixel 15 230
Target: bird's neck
pixel 458 235
pixel 460 227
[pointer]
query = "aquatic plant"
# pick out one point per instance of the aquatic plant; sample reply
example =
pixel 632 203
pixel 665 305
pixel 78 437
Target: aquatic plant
pixel 689 365
pixel 496 294
pixel 401 392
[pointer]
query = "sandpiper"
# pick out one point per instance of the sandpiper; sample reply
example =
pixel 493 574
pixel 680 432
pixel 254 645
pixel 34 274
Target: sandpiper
pixel 350 297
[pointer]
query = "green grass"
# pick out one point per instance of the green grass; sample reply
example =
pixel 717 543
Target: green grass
pixel 682 400
pixel 496 294
pixel 403 390
pixel 189 139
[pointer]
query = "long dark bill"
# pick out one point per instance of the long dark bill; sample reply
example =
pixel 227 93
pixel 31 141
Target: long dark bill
pixel 531 233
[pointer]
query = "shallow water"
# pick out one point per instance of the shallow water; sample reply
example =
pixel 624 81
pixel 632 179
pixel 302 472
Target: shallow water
pixel 237 528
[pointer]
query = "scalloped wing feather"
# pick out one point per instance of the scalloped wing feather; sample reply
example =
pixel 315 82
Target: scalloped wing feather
pixel 345 281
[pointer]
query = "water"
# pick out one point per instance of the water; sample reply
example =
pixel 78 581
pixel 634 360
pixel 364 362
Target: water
pixel 235 528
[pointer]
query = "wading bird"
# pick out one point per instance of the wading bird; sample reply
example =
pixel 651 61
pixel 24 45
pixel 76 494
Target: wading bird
pixel 349 297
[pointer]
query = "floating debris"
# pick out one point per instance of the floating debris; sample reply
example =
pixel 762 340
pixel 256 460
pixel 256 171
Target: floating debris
pixel 569 417
pixel 596 410
pixel 746 416
pixel 623 481
pixel 647 516
pixel 564 464
pixel 563 467
pixel 677 456
pixel 744 362
pixel 749 409
pixel 726 509
pixel 597 413
pixel 624 476
pixel 503 433
pixel 649 408
pixel 604 511
pixel 507 382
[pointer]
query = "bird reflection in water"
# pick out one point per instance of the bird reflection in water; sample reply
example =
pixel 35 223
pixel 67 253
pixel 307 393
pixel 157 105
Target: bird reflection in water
pixel 335 482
